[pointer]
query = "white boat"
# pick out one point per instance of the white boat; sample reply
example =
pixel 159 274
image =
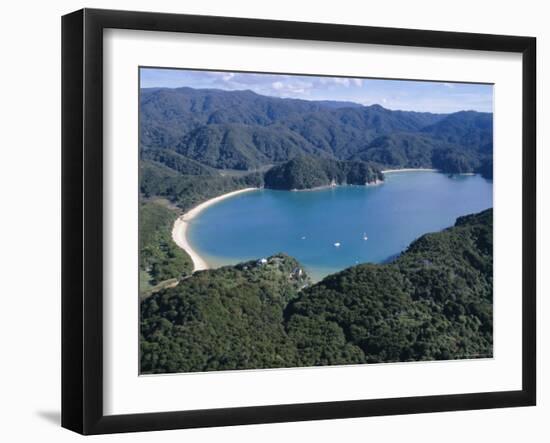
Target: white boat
pixel 365 236
pixel 337 244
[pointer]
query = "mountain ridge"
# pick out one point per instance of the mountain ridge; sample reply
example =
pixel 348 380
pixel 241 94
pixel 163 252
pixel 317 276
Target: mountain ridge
pixel 244 130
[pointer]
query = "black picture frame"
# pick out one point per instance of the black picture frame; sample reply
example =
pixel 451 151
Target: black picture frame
pixel 82 215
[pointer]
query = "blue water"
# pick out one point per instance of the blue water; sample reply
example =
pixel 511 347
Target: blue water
pixel 306 224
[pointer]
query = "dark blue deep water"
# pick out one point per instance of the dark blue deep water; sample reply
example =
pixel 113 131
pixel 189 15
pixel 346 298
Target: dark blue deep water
pixel 307 224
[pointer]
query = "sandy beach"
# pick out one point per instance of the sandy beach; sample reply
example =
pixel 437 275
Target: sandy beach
pixel 179 230
pixel 410 170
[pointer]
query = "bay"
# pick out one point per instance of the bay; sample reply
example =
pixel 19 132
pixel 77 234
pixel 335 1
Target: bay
pixel 330 229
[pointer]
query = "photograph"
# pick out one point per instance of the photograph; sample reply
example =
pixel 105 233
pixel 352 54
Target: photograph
pixel 303 220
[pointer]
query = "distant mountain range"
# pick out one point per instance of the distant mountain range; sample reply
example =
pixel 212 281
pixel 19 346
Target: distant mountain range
pixel 200 130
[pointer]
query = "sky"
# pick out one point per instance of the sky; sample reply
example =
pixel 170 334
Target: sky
pixel 406 95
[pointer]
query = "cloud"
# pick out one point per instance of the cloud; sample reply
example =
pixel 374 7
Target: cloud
pixel 341 81
pixel 287 87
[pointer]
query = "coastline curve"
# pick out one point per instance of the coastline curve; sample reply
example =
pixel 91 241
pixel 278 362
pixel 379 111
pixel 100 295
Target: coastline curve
pixel 386 171
pixel 181 226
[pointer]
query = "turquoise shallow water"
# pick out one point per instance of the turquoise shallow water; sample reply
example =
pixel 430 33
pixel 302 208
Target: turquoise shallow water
pixel 307 224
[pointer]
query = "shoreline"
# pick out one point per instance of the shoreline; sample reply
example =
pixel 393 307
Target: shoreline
pixel 427 170
pixel 181 225
pixel 409 170
pixel 331 186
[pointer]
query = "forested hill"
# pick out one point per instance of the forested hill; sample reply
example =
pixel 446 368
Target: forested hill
pixel 433 302
pixel 242 130
pixel 310 172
